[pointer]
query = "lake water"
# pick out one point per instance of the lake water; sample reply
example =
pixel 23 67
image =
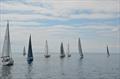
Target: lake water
pixel 92 66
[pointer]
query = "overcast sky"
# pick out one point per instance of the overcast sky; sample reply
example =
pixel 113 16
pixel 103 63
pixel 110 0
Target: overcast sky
pixel 96 22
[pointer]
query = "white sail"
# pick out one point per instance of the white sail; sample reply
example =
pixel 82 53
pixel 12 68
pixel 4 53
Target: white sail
pixel 6 51
pixel 46 50
pixel 80 48
pixel 68 50
pixel 6 46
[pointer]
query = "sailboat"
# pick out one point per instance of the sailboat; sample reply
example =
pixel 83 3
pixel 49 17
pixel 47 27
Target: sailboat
pixel 30 52
pixel 7 59
pixel 24 51
pixel 108 51
pixel 62 53
pixel 80 48
pixel 68 51
pixel 46 50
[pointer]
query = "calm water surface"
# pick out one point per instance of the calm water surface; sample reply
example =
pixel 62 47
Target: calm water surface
pixel 93 66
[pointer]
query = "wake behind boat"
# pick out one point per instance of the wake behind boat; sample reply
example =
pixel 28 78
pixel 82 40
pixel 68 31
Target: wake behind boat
pixel 7 59
pixel 30 52
pixel 62 53
pixel 46 50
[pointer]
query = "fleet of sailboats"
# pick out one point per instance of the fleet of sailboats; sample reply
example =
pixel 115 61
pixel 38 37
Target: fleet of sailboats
pixel 30 52
pixel 62 53
pixel 46 50
pixel 7 54
pixel 80 48
pixel 6 51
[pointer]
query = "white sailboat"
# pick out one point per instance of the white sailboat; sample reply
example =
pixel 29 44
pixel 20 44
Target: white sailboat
pixel 46 50
pixel 68 51
pixel 80 48
pixel 62 53
pixel 6 51
pixel 24 51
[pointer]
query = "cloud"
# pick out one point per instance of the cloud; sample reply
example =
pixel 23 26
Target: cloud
pixel 56 9
pixel 94 16
pixel 116 29
pixel 18 6
pixel 65 6
pixel 96 22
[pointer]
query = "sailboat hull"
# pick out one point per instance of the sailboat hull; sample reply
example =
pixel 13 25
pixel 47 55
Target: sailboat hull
pixel 69 55
pixel 47 56
pixel 24 54
pixel 81 57
pixel 29 60
pixel 8 63
pixel 62 56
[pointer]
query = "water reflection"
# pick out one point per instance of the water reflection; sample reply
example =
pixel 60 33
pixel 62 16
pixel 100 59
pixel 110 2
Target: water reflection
pixel 47 65
pixel 62 66
pixel 81 68
pixel 29 71
pixel 47 69
pixel 93 66
pixel 6 72
pixel 80 61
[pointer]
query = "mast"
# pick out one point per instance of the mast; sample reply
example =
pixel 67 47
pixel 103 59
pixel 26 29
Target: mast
pixel 80 48
pixel 62 49
pixel 108 51
pixel 30 52
pixel 46 47
pixel 6 45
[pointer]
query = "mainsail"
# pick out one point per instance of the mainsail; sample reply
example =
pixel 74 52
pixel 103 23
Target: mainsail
pixel 6 51
pixel 80 48
pixel 24 51
pixel 68 50
pixel 30 52
pixel 108 51
pixel 62 50
pixel 46 48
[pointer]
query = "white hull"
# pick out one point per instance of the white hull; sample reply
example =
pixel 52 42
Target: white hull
pixel 8 63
